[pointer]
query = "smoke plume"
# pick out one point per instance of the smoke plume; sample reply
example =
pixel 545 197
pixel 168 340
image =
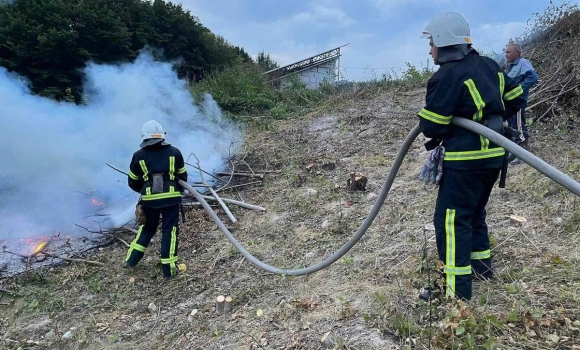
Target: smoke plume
pixel 53 154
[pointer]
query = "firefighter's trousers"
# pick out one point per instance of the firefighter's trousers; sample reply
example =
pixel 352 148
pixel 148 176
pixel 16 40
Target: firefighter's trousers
pixel 461 231
pixel 169 238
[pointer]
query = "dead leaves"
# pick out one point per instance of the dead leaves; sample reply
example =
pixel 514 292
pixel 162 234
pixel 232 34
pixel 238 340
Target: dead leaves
pixel 102 327
pixel 306 303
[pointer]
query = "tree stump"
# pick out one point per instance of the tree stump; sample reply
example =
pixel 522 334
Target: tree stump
pixel 219 304
pixel 228 305
pixel 518 220
pixel 357 182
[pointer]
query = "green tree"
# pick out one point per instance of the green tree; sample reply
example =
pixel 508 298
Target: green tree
pixel 265 62
pixel 50 41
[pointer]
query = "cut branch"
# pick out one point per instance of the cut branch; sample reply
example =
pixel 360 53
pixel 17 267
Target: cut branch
pixel 241 204
pixel 554 96
pixel 259 176
pixel 121 171
pixel 118 239
pixel 213 192
pixel 75 260
pixel 205 172
pixel 9 292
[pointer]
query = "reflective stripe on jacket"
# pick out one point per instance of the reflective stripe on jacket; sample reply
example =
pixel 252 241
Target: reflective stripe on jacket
pixel 157 159
pixel 476 88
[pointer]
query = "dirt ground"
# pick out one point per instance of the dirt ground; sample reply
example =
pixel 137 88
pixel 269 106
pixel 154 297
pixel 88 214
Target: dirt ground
pixel 367 299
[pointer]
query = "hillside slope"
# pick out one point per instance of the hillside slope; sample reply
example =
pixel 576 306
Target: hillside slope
pixel 368 299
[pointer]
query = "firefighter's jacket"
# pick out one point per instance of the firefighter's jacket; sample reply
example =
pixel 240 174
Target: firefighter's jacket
pixel 159 159
pixel 476 88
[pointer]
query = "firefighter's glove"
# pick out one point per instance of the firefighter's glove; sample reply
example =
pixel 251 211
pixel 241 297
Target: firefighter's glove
pixel 432 170
pixel 431 144
pixel 512 134
pixel 140 215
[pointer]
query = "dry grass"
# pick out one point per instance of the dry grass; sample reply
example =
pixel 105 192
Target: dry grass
pixel 368 299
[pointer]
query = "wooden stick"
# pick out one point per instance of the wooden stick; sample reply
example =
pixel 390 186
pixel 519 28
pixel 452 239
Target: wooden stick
pixel 75 260
pixel 260 176
pixel 194 185
pixel 241 204
pixel 25 256
pixel 184 184
pixel 118 239
pixel 192 204
pixel 122 172
pixel 200 169
pixel 131 230
pixel 226 184
pixel 213 192
pixel 223 205
pixel 554 96
pixel 202 185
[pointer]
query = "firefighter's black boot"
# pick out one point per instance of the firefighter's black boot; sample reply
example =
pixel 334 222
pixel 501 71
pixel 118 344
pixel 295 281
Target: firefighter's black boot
pixel 482 270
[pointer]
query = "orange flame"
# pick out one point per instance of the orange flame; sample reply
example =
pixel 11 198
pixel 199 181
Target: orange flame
pixel 40 248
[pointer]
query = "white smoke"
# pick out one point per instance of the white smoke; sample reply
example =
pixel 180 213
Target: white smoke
pixel 53 155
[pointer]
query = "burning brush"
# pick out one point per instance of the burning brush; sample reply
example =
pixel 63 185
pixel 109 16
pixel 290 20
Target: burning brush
pixel 39 249
pixel 38 252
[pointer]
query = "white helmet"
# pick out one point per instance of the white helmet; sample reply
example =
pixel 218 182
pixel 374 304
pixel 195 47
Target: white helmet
pixel 447 29
pixel 152 130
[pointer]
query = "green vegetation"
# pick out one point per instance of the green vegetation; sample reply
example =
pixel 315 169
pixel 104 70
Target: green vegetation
pixel 243 90
pixel 49 41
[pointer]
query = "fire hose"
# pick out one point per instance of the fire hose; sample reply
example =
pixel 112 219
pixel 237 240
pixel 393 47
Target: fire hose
pixel 537 163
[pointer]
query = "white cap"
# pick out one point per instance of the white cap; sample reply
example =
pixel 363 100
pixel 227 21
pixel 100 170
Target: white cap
pixel 152 130
pixel 447 29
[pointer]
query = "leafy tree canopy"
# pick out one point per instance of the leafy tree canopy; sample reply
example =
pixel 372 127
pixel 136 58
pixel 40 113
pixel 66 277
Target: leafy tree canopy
pixel 50 41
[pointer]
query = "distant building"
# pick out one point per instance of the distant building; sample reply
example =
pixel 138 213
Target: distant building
pixel 324 67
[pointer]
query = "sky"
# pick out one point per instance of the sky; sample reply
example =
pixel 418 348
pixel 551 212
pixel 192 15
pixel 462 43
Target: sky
pixel 382 35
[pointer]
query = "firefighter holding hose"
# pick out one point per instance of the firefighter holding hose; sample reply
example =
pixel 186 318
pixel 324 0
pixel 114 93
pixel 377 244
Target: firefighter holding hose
pixel 470 86
pixel 154 172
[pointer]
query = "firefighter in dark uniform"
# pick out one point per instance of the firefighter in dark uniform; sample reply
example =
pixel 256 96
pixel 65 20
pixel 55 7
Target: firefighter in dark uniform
pixel 471 86
pixel 154 172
